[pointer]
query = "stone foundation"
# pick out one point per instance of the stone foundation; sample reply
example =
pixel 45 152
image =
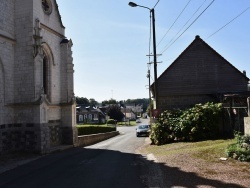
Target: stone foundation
pixel 24 137
pixel 39 138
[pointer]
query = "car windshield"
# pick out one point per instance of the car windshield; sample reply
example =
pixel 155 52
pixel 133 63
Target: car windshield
pixel 143 127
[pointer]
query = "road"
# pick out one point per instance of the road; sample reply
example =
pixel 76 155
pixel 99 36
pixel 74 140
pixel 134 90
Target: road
pixel 111 163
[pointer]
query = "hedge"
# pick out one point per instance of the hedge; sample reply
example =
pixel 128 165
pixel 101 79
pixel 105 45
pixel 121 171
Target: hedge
pixel 94 129
pixel 194 124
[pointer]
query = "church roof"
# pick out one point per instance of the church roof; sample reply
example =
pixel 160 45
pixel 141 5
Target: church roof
pixel 59 15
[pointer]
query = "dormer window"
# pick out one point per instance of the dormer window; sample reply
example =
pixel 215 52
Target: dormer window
pixel 47 6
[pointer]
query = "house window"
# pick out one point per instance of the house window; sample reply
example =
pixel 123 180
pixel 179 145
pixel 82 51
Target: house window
pixel 95 117
pixel 90 116
pixel 85 116
pixel 80 118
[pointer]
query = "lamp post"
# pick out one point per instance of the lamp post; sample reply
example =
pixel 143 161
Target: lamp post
pixel 152 11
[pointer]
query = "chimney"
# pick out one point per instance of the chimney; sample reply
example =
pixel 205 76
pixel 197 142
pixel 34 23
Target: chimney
pixel 244 72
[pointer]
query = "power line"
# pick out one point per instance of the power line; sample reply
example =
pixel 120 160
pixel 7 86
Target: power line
pixel 157 3
pixel 188 27
pixel 174 22
pixel 228 23
pixel 185 23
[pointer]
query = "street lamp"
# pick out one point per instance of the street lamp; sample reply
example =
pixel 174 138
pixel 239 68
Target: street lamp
pixel 152 11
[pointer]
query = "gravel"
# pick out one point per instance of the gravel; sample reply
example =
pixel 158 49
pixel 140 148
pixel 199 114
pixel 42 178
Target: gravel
pixel 186 170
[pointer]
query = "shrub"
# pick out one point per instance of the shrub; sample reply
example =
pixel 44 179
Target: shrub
pixel 241 149
pixel 166 128
pixel 198 123
pixel 94 129
pixel 111 121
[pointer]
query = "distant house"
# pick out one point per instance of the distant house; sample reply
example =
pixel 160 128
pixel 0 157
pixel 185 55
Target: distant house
pixel 136 108
pixel 128 113
pixel 199 75
pixel 89 115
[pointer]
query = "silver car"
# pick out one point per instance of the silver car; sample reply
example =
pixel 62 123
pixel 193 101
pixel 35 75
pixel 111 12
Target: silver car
pixel 142 130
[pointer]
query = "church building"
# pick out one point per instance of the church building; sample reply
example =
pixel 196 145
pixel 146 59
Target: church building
pixel 37 102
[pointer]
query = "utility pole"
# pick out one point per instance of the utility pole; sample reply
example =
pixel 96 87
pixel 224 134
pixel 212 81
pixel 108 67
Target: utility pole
pixel 152 11
pixel 155 60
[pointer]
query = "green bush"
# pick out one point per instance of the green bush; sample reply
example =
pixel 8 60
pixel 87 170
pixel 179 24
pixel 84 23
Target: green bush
pixel 111 121
pixel 94 129
pixel 241 149
pixel 198 123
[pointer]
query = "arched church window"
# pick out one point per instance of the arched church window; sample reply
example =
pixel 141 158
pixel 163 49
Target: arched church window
pixel 47 63
pixel 45 75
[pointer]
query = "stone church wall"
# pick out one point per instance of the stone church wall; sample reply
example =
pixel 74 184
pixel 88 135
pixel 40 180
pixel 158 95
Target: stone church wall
pixel 24 77
pixel 7 44
pixel 29 119
pixel 7 18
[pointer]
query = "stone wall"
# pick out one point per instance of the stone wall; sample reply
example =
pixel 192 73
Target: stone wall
pixel 38 138
pixel 247 125
pixel 247 119
pixel 86 140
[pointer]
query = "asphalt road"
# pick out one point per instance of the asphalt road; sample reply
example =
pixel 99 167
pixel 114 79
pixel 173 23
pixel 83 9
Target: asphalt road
pixel 111 163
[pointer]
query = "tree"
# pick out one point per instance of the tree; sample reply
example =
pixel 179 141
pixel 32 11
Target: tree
pixel 93 102
pixel 82 100
pixel 110 101
pixel 114 112
pixel 150 107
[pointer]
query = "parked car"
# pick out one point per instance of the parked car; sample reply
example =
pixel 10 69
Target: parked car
pixel 138 121
pixel 142 130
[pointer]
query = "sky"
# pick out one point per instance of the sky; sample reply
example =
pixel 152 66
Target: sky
pixel 111 40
